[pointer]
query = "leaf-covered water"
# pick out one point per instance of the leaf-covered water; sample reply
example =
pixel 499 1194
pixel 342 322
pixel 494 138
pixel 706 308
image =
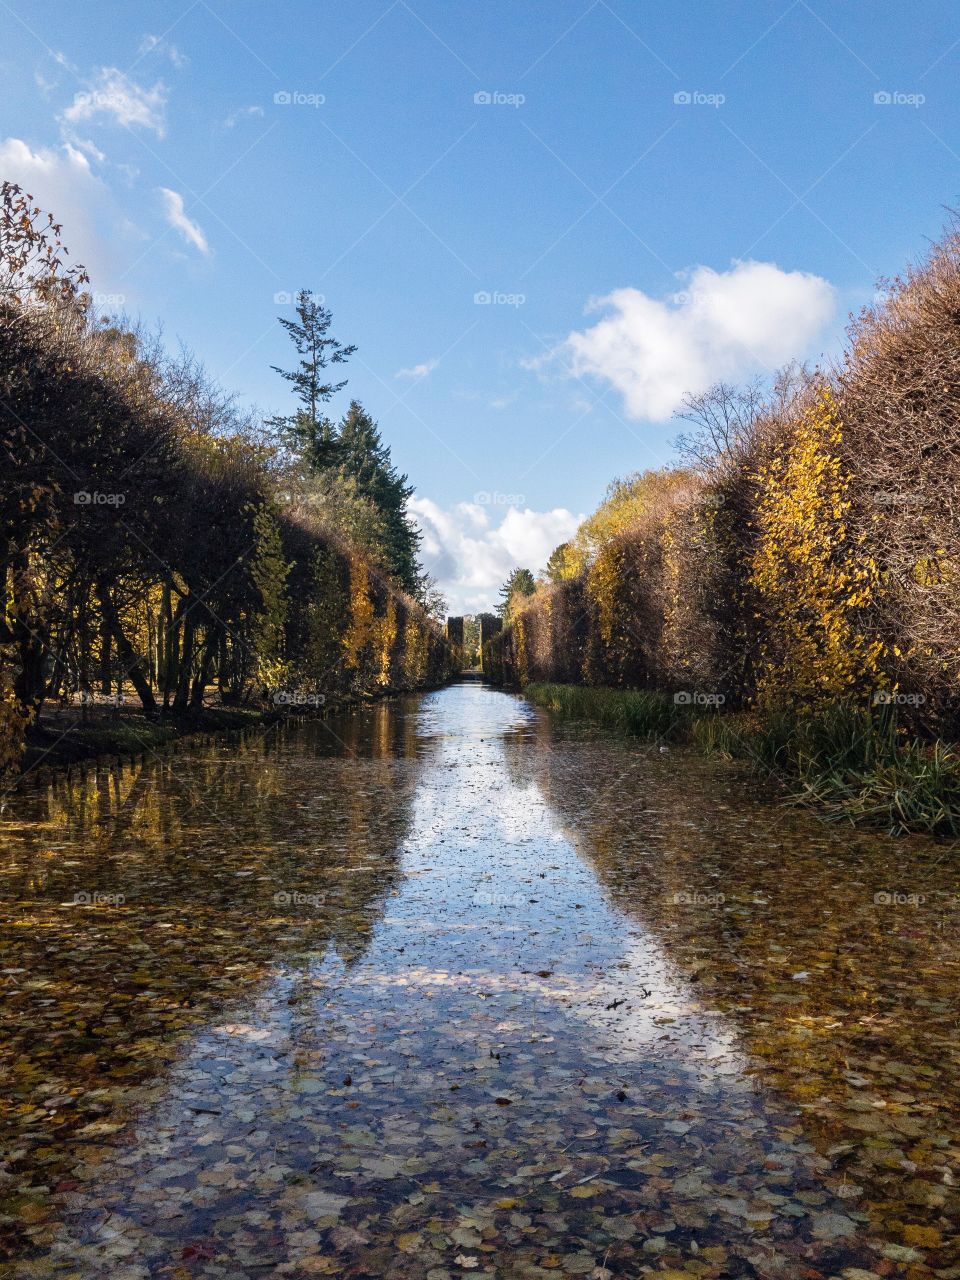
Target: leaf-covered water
pixel 442 989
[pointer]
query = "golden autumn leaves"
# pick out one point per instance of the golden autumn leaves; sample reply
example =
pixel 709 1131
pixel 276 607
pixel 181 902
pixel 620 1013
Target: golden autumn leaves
pixel 809 570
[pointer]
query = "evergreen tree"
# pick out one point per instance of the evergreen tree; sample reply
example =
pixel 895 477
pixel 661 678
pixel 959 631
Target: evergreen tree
pixel 520 584
pixel 310 433
pixel 347 466
pixel 363 458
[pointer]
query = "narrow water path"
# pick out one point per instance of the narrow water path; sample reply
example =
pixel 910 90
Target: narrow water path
pixel 444 989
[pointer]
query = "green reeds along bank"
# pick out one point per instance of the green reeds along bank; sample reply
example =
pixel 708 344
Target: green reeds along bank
pixel 853 763
pixel 635 711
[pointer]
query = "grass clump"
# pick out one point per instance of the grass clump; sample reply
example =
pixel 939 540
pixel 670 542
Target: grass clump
pixel 853 763
pixel 638 712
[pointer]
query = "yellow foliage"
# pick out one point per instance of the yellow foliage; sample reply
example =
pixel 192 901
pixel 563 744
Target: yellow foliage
pixel 416 650
pixel 386 636
pixel 626 502
pixel 603 585
pixel 812 576
pixel 675 629
pixel 359 633
pixel 269 571
pixel 934 570
pixel 566 562
pixel 520 642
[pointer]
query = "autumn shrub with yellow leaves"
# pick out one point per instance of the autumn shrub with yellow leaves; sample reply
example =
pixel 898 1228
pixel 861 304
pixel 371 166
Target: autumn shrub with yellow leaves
pixel 385 640
pixel 750 583
pixel 416 649
pixel 359 636
pixel 388 642
pixel 816 582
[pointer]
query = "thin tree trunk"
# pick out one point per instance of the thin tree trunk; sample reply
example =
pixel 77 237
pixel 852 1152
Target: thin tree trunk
pixel 30 681
pixel 104 655
pixel 172 625
pixel 203 676
pixel 163 623
pixel 131 663
pixel 186 664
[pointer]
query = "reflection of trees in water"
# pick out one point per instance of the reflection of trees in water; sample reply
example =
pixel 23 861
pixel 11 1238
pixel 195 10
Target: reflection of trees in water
pixel 846 1004
pixel 198 844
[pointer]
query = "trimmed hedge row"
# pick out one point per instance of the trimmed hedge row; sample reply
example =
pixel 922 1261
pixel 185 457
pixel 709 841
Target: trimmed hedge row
pixel 816 562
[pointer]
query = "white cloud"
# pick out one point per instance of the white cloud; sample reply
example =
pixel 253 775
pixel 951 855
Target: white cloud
pixel 157 44
pixel 63 183
pixel 173 209
pixel 241 113
pixel 45 85
pixel 504 402
pixel 724 325
pixel 114 94
pixel 89 149
pixel 418 370
pixel 471 548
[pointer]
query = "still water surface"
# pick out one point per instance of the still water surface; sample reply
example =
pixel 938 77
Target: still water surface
pixel 442 988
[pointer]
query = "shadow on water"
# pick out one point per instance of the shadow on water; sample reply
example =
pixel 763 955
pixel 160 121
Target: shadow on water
pixel 138 899
pixel 529 1002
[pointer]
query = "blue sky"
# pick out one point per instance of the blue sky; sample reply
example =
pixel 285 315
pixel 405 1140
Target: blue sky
pixel 650 196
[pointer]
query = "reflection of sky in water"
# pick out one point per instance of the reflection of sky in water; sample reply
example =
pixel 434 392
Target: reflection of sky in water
pixel 494 885
pixel 477 1021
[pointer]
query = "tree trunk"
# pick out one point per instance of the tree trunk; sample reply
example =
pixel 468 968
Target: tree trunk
pixel 104 655
pixel 203 676
pixel 163 635
pixel 172 623
pixel 30 681
pixel 186 664
pixel 131 664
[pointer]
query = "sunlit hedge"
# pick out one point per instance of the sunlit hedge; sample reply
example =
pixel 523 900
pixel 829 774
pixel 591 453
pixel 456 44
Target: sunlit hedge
pixel 815 579
pixel 817 562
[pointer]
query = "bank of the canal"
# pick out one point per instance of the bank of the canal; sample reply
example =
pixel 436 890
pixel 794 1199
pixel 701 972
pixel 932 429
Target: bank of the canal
pixel 441 987
pixel 105 732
